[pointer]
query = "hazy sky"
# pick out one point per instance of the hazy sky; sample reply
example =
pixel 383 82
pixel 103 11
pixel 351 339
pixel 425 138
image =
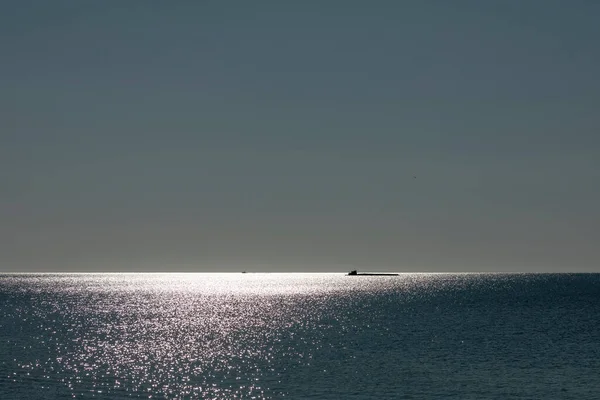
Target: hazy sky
pixel 300 136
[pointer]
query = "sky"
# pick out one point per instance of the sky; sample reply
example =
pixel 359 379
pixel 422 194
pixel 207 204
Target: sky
pixel 304 136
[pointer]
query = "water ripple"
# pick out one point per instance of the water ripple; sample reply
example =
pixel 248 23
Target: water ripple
pixel 233 336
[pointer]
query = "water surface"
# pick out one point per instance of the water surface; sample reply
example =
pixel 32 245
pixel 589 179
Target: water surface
pixel 299 336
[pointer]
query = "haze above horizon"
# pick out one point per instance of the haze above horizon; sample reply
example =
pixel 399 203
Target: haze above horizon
pixel 300 136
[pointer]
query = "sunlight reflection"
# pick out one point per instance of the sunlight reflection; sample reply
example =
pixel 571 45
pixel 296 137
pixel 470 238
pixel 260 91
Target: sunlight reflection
pixel 199 335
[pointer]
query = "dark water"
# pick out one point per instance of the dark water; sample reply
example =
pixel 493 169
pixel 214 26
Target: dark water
pixel 300 336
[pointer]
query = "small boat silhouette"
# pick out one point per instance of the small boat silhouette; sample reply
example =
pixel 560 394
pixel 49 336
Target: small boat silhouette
pixel 355 273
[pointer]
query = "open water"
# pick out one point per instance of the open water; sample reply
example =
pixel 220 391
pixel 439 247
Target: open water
pixel 300 336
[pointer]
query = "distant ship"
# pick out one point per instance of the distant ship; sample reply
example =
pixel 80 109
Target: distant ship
pixel 355 273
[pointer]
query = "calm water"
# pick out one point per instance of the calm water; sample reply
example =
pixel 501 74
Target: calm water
pixel 300 336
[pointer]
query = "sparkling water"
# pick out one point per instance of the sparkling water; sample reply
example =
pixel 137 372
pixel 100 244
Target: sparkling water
pixel 300 336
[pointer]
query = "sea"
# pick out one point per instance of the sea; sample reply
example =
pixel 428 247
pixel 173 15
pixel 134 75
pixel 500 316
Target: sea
pixel 299 336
